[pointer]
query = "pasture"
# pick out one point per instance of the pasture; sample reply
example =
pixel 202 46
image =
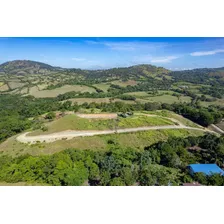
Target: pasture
pixel 34 91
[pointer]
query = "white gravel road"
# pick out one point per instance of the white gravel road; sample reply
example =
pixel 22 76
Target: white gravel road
pixel 66 135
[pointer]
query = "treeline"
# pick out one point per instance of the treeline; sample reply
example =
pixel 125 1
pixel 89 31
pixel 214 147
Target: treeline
pixel 215 91
pixel 163 163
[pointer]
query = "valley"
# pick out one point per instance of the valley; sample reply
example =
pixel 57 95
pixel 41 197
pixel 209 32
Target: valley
pixel 106 120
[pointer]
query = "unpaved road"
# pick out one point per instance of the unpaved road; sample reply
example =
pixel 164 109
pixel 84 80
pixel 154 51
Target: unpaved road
pixel 69 134
pixel 217 129
pixel 66 135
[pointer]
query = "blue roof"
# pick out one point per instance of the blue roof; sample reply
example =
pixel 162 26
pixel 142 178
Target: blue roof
pixel 207 169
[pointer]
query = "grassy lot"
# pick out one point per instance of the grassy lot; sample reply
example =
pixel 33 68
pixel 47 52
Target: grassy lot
pixel 164 99
pixel 73 122
pixel 137 140
pixel 102 86
pixel 24 90
pixel 126 83
pixel 1 84
pixel 14 85
pixel 55 92
pixel 138 94
pixel 166 113
pixel 219 102
pixel 4 88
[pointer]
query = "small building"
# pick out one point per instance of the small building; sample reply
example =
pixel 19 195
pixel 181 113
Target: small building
pixel 207 169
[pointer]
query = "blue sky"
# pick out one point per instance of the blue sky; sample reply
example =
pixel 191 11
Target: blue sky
pixel 99 53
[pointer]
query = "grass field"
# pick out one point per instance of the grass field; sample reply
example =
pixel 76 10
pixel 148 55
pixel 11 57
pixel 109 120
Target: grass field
pixel 168 99
pixel 55 92
pixel 24 90
pixel 126 83
pixel 1 84
pixel 73 122
pixel 169 114
pixel 102 86
pixel 4 88
pixel 14 85
pixel 137 140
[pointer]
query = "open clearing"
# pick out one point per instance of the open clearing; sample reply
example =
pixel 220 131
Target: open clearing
pixel 14 85
pixel 4 88
pixel 72 126
pixel 66 135
pixel 137 140
pixel 102 86
pixel 74 122
pixel 61 90
pixel 125 83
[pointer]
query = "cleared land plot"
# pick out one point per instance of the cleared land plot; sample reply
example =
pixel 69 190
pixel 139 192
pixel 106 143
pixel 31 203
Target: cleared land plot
pixel 102 86
pixel 169 114
pixel 24 90
pixel 14 85
pixel 138 94
pixel 4 88
pixel 137 140
pixel 168 99
pixel 221 125
pixel 73 122
pixel 55 92
pixel 219 102
pixel 126 83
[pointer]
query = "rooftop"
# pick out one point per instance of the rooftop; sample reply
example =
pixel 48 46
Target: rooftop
pixel 207 169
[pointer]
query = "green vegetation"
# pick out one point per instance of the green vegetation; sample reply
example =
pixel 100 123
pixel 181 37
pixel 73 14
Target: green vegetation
pixel 32 93
pixel 163 163
pixel 73 122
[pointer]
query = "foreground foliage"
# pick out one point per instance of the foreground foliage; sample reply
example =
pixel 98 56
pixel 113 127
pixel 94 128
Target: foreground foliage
pixel 163 163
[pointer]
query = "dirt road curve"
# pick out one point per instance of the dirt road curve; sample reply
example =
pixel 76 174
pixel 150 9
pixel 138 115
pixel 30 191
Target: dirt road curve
pixel 66 135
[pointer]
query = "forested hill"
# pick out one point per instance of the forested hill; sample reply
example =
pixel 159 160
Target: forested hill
pixel 22 67
pixel 137 72
pixel 202 75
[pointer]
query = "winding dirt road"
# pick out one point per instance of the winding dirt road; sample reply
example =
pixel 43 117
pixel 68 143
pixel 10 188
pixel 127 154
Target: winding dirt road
pixel 66 135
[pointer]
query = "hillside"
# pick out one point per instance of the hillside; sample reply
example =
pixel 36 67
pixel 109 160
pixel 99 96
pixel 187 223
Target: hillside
pixel 135 84
pixel 22 67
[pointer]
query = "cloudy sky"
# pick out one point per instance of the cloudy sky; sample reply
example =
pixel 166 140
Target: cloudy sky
pixel 97 53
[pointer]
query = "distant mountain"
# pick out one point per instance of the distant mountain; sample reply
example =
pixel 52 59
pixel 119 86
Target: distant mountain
pixel 22 67
pixel 136 72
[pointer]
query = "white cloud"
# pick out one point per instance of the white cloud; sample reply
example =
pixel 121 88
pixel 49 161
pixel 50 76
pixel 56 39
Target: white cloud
pixel 151 59
pixel 167 59
pixel 78 59
pixel 129 45
pixel 205 53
